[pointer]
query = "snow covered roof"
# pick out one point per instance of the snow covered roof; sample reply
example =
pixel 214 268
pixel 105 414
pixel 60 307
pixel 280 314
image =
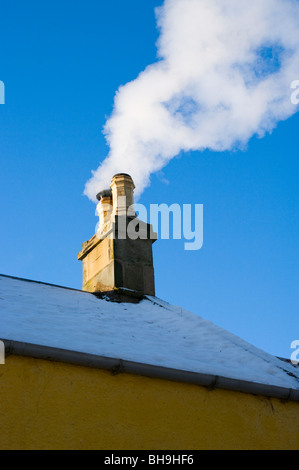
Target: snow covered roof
pixel 150 332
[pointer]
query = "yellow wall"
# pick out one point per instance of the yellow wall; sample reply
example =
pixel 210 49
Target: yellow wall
pixel 47 405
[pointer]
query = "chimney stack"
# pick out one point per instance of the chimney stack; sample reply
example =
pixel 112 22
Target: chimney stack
pixel 112 260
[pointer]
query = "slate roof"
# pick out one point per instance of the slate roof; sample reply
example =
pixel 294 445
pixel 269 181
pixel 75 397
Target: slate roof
pixel 150 332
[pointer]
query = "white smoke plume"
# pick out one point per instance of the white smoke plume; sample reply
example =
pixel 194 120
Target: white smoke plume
pixel 223 74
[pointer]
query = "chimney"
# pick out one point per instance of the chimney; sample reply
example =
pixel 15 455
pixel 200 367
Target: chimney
pixel 113 259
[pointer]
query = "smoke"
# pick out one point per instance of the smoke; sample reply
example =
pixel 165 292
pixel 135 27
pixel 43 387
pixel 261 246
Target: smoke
pixel 223 74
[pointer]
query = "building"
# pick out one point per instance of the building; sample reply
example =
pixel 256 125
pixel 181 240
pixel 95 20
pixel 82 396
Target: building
pixel 113 367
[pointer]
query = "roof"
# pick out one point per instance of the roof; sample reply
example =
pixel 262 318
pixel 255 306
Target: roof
pixel 151 333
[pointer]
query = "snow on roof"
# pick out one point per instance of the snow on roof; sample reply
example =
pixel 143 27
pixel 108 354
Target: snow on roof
pixel 150 332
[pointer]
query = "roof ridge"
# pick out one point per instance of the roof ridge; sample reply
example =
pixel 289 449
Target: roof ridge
pixel 33 281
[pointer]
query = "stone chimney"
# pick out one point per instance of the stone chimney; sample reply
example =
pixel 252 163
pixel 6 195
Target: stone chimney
pixel 119 256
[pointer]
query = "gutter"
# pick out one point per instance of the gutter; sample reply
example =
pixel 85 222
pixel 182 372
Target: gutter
pixel 117 366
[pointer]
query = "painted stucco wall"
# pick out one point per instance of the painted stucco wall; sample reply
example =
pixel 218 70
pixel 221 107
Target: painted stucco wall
pixel 48 405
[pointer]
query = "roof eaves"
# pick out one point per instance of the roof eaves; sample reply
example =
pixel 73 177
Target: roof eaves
pixel 116 366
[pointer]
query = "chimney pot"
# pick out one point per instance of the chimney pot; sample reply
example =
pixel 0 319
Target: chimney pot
pixel 105 193
pixel 122 187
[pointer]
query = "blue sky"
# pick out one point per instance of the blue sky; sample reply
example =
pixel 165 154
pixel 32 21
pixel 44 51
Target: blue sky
pixel 62 63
